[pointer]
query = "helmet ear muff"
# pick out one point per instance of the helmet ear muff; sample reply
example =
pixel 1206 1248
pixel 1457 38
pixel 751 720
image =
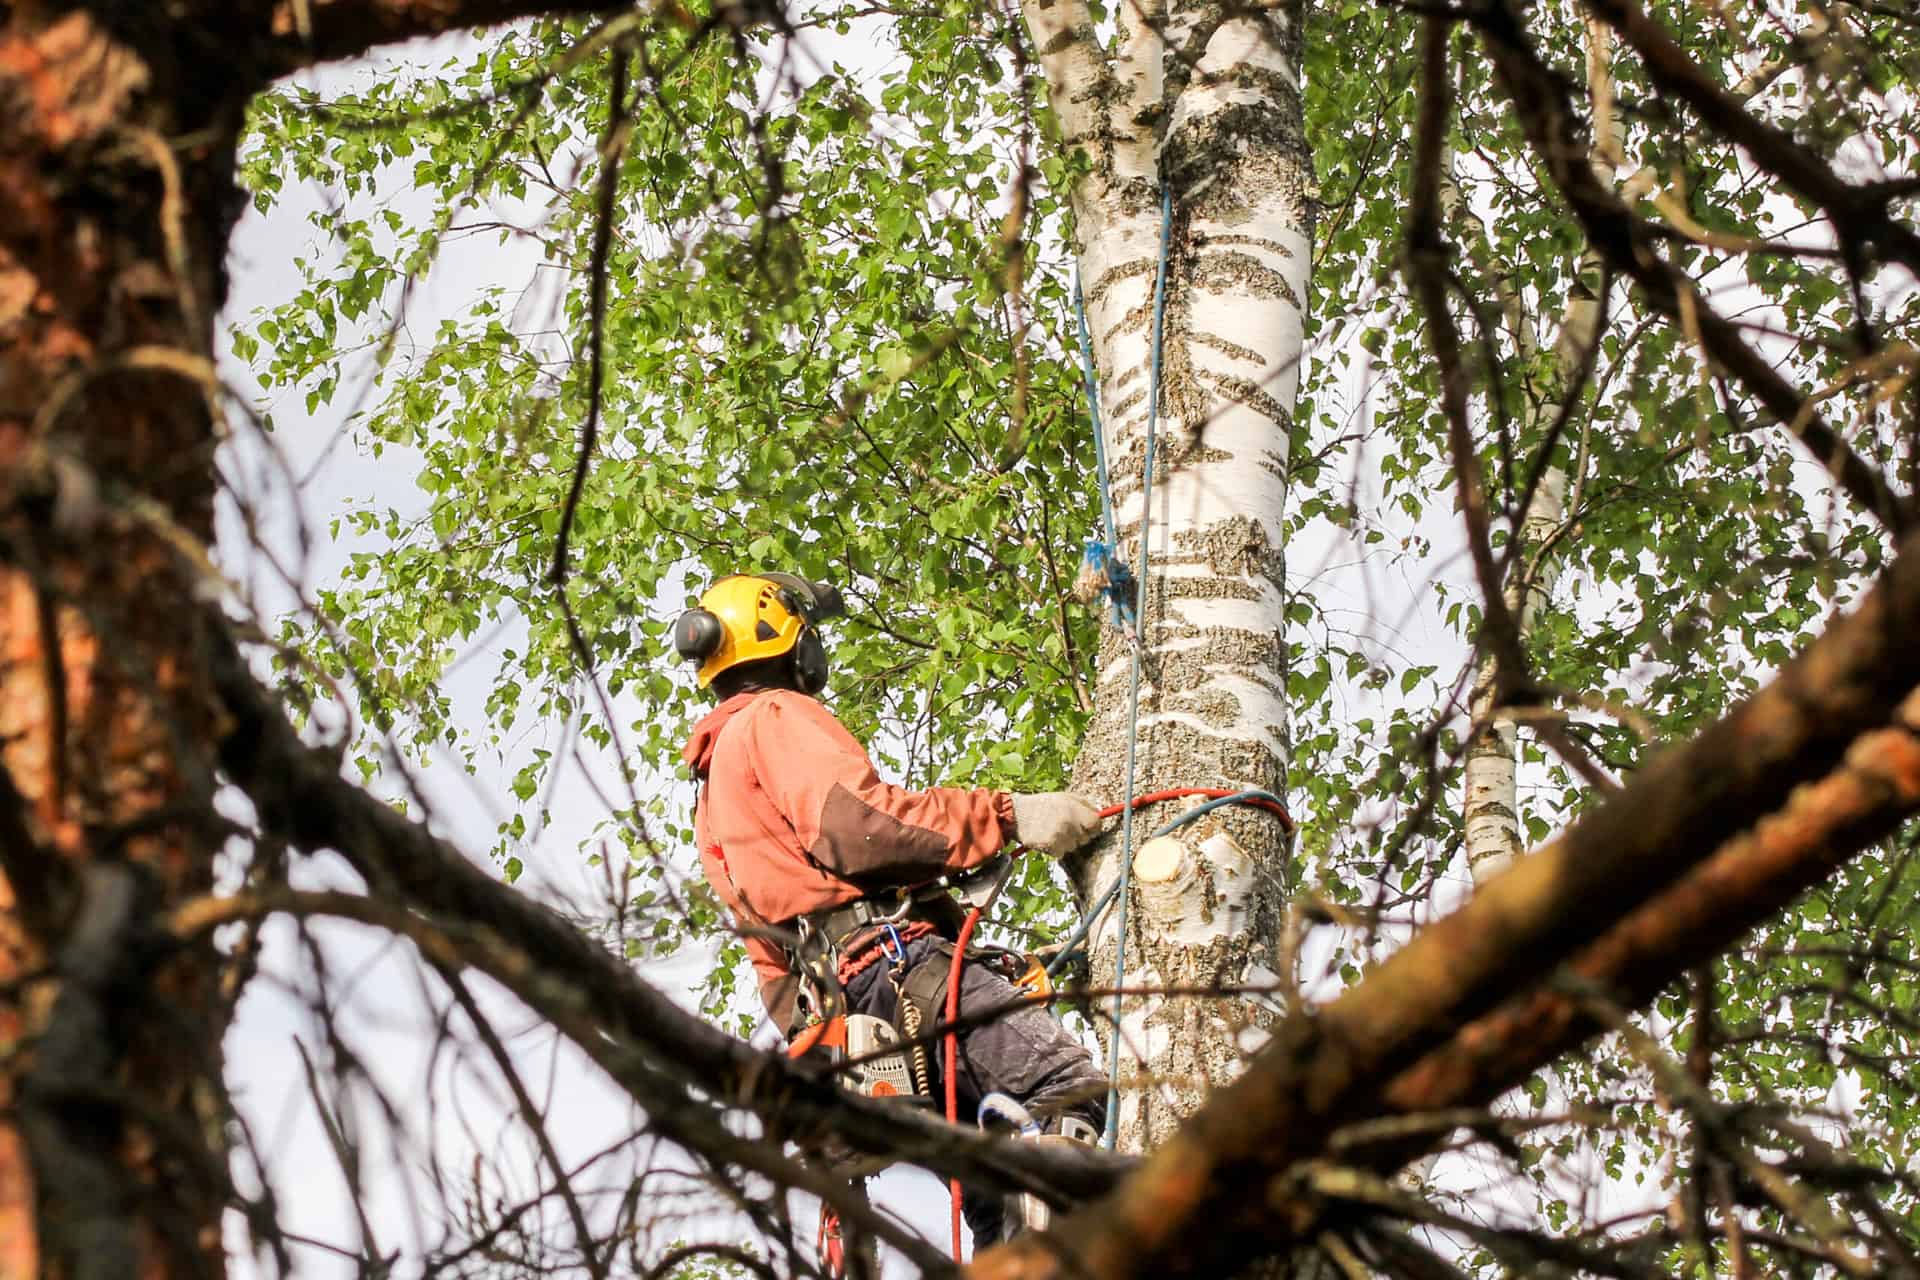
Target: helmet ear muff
pixel 697 635
pixel 809 662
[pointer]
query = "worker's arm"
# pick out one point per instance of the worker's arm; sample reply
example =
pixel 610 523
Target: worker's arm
pixel 848 819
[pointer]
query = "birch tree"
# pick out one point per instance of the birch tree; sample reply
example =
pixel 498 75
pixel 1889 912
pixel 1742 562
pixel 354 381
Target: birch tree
pixel 1490 808
pixel 1198 107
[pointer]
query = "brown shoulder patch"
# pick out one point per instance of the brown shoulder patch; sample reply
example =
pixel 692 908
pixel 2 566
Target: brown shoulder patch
pixel 861 844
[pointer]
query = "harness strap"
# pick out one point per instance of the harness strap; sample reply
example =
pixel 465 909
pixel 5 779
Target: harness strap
pixel 870 951
pixel 926 983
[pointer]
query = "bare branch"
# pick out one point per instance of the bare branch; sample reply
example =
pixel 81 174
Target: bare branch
pixel 1859 214
pixel 348 28
pixel 1630 245
pixel 613 146
pixel 567 976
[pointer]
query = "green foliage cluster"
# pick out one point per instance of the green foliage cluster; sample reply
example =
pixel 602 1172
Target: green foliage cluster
pixel 810 368
pixel 1703 549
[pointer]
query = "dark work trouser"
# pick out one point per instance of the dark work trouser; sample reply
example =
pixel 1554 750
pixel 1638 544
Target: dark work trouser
pixel 1025 1054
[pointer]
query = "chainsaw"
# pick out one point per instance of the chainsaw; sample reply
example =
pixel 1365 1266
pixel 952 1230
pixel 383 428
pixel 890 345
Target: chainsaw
pixel 859 1047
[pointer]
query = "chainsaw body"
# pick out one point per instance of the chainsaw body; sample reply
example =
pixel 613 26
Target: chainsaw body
pixel 876 1070
pixel 884 1073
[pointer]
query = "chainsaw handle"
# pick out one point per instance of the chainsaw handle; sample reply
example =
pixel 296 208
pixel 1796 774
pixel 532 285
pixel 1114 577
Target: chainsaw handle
pixel 996 870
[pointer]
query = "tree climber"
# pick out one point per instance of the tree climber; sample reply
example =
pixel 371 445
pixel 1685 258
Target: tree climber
pixel 816 856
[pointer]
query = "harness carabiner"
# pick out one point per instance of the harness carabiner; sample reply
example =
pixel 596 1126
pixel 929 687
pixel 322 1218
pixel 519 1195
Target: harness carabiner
pixel 892 945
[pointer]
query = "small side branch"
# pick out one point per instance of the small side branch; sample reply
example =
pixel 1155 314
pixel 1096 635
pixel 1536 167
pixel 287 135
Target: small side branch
pixel 613 146
pixel 1860 214
pixel 1631 245
pixel 302 33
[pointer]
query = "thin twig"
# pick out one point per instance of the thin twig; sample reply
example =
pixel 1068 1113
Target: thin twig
pixel 613 145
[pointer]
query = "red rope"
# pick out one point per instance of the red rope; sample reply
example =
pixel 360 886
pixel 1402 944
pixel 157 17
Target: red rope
pixel 829 1242
pixel 1212 793
pixel 953 1055
pixel 952 1071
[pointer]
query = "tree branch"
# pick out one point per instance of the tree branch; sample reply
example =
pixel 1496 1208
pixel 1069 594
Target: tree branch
pixel 613 146
pixel 671 1105
pixel 1859 213
pixel 530 1112
pixel 1631 245
pixel 299 793
pixel 1617 882
pixel 1427 255
pixel 309 31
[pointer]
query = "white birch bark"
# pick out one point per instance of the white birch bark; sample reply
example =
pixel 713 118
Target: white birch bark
pixel 1491 810
pixel 1205 100
pixel 1491 806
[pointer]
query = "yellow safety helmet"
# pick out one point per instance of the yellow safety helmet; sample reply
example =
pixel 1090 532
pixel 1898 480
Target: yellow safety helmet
pixel 750 617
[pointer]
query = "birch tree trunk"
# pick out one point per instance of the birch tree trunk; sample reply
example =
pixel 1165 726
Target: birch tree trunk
pixel 1491 809
pixel 1491 806
pixel 1205 101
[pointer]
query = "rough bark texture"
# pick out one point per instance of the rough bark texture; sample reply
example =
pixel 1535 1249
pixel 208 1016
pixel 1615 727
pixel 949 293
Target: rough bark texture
pixel 115 200
pixel 1491 809
pixel 117 132
pixel 1208 104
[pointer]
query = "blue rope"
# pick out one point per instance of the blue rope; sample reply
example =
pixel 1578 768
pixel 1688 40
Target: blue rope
pixel 1093 410
pixel 1101 560
pixel 1112 1134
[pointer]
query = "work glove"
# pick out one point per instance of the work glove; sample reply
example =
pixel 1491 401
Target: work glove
pixel 1054 822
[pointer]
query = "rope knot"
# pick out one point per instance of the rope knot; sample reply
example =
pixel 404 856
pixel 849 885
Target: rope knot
pixel 1103 573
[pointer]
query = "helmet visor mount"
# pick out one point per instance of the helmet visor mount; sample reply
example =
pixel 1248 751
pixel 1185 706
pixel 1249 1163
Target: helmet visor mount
pixel 818 601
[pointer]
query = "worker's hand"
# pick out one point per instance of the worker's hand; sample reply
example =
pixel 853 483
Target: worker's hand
pixel 1054 822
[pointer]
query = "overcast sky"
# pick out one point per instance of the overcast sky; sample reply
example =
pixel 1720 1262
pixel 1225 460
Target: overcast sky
pixel 382 1005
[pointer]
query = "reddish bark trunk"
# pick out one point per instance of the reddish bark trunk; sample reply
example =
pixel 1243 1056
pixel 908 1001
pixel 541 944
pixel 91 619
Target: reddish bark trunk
pixel 110 1160
pixel 118 125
